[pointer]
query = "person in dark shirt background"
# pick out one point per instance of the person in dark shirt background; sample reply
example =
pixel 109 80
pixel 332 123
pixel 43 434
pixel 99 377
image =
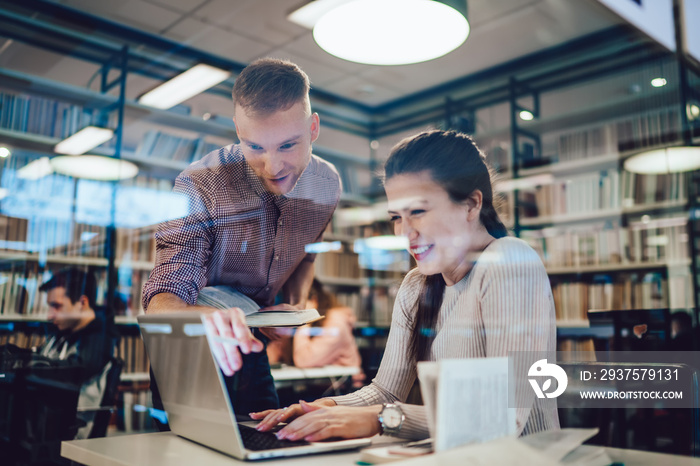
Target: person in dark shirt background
pixel 82 336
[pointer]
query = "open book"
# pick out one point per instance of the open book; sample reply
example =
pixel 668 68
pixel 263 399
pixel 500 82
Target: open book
pixel 565 446
pixel 224 297
pixel 282 318
pixel 550 448
pixel 466 400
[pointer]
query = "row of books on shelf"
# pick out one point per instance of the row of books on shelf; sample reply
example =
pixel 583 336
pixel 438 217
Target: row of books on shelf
pixel 603 244
pixel 646 129
pixel 53 236
pixel 352 300
pixel 133 353
pixel 136 245
pixel 38 115
pixel 19 288
pixel 348 177
pixel 351 232
pixel 161 145
pixel 23 339
pixel 573 300
pixel 574 345
pixel 130 290
pixel 337 264
pixel 604 190
pixel 13 231
pixel 377 305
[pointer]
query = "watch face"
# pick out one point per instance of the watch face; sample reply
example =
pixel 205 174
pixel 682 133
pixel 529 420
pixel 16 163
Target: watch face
pixel 392 417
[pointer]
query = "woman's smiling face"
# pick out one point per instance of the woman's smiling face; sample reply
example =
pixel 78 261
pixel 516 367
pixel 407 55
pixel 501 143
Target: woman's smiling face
pixel 440 232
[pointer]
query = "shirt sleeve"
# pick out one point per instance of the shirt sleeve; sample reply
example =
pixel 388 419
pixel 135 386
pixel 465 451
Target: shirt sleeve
pixel 396 373
pixel 515 301
pixel 183 247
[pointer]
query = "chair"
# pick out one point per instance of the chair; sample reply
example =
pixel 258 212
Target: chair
pixel 39 408
pixel 103 413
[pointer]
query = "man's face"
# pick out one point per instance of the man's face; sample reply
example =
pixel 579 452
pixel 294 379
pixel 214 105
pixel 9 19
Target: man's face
pixel 64 314
pixel 278 146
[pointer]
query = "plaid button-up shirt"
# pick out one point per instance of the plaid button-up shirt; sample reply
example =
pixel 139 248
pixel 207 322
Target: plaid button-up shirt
pixel 237 233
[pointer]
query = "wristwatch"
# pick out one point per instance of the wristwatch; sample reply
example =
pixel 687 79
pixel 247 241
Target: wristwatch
pixel 391 418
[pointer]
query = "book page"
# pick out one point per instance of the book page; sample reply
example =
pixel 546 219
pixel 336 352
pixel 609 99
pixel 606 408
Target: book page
pixel 472 402
pixel 428 376
pixel 556 444
pixel 282 318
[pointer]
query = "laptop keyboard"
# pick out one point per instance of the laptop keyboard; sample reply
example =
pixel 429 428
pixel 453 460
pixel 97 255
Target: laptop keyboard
pixel 257 441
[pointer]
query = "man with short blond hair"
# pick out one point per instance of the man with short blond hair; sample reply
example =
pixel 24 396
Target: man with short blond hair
pixel 253 207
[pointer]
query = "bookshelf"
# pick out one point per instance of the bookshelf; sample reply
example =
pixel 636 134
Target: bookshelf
pixel 609 239
pixel 595 244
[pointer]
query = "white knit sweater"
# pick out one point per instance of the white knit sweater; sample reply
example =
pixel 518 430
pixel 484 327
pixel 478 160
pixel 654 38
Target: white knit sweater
pixel 503 304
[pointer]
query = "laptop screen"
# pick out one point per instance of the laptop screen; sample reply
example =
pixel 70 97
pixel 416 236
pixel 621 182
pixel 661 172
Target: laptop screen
pixel 189 382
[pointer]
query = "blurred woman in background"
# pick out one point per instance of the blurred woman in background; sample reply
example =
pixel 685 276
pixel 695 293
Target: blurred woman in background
pixel 328 341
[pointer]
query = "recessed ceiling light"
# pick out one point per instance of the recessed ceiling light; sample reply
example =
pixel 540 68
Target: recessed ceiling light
pixel 658 82
pixel 194 81
pixel 692 110
pixel 526 115
pixel 94 167
pixel 84 140
pixel 4 152
pixel 391 32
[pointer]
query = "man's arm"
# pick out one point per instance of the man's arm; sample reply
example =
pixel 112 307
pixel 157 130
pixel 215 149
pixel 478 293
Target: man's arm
pixel 229 323
pixel 169 302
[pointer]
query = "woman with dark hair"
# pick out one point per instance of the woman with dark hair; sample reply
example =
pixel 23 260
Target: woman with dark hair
pixel 475 293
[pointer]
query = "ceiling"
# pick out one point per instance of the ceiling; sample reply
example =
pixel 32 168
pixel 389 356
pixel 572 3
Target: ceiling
pixel 535 40
pixel 243 30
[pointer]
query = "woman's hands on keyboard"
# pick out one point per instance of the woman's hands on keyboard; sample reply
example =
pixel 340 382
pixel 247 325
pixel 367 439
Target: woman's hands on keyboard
pixel 272 417
pixel 326 422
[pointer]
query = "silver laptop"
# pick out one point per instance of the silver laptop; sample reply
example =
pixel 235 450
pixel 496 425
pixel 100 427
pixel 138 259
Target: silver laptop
pixel 195 397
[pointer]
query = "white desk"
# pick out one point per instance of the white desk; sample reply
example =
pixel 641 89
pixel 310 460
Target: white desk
pixel 167 449
pixel 288 373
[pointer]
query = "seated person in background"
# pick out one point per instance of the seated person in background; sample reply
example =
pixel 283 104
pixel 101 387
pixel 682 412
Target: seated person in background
pixel 475 293
pixel 82 336
pixel 330 340
pixel 682 334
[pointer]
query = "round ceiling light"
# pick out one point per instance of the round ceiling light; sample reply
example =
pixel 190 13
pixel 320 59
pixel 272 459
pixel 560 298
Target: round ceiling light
pixel 391 32
pixel 668 160
pixel 94 167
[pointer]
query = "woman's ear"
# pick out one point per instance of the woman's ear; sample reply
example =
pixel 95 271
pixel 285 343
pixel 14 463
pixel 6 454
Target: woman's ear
pixel 474 203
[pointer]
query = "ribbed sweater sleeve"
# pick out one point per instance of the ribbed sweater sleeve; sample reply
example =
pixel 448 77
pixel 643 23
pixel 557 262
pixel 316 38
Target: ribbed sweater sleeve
pixel 396 373
pixel 503 304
